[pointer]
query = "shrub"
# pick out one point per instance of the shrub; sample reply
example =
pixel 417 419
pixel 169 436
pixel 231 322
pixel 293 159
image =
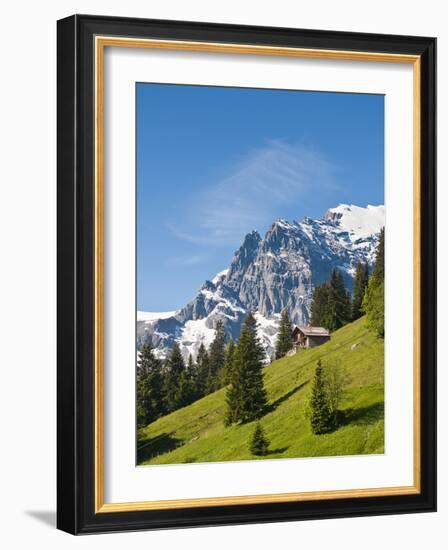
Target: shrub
pixel 259 444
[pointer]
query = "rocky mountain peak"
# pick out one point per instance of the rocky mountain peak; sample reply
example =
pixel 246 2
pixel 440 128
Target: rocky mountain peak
pixel 243 258
pixel 270 274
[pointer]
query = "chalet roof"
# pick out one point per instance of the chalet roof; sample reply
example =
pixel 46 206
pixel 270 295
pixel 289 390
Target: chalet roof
pixel 313 331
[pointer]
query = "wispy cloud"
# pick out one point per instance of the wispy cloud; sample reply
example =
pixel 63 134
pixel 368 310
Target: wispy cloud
pixel 181 261
pixel 252 193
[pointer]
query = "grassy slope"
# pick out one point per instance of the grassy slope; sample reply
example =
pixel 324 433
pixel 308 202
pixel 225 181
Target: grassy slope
pixel 197 434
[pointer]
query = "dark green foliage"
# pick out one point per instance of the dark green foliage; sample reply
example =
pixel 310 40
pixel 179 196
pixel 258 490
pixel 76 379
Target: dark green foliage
pixel 373 303
pixel 259 444
pixel 284 340
pixel 321 418
pixel 378 270
pixel 216 359
pixel 202 362
pixel 336 379
pixel 175 383
pixel 331 306
pixel 193 376
pixel 150 404
pixel 359 288
pixel 246 395
pixel 337 311
pixel 228 363
pixel 319 304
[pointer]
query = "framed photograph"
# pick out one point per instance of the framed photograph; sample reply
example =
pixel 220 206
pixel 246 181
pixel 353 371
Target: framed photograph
pixel 246 274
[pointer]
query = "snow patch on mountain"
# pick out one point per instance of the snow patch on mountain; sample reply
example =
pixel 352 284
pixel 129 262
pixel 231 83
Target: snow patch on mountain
pixel 268 274
pixel 267 330
pixel 194 334
pixel 154 315
pixel 357 221
pixel 220 276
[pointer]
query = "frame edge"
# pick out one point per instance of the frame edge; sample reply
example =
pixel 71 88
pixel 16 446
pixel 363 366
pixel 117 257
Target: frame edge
pixel 66 517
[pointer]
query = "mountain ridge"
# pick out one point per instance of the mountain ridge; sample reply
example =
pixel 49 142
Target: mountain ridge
pixel 268 274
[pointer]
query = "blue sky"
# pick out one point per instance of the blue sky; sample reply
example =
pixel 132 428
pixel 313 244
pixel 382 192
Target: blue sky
pixel 214 163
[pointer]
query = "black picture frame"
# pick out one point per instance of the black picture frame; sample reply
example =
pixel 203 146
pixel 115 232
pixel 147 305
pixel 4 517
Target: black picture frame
pixel 76 263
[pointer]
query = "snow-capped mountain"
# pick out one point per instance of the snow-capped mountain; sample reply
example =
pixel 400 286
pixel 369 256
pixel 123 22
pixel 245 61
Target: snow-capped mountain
pixel 269 274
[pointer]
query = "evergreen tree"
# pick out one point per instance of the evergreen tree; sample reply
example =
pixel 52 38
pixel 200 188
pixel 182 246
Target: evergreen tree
pixel 337 312
pixel 228 363
pixel 378 270
pixel 284 339
pixel 216 359
pixel 175 381
pixel 150 403
pixel 320 414
pixel 185 390
pixel 319 304
pixel 373 303
pixel 259 444
pixel 192 376
pixel 202 370
pixel 359 289
pixel 335 380
pixel 246 395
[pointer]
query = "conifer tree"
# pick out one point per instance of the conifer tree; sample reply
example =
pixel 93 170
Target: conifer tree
pixel 246 395
pixel 192 374
pixel 359 289
pixel 378 270
pixel 175 383
pixel 320 414
pixel 202 370
pixel 228 363
pixel 319 304
pixel 284 339
pixel 337 312
pixel 150 404
pixel 184 394
pixel 216 359
pixel 373 303
pixel 259 444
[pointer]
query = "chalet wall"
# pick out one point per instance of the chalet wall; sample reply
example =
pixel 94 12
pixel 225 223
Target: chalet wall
pixel 313 341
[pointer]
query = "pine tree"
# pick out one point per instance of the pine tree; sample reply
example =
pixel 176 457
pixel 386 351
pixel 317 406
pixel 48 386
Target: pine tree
pixel 216 358
pixel 320 414
pixel 378 270
pixel 150 404
pixel 319 304
pixel 228 363
pixel 337 312
pixel 185 390
pixel 284 339
pixel 373 303
pixel 175 382
pixel 359 289
pixel 246 395
pixel 259 444
pixel 202 370
pixel 192 373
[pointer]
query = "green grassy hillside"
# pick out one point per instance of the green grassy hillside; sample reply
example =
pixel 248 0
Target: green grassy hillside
pixel 197 433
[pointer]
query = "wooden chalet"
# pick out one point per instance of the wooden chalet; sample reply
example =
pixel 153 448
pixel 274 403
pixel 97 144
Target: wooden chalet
pixel 309 337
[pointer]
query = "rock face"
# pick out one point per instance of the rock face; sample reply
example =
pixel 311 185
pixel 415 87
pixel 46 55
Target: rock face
pixel 270 274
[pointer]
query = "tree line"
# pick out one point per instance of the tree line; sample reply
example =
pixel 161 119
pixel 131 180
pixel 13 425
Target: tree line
pixel 164 386
pixel 332 307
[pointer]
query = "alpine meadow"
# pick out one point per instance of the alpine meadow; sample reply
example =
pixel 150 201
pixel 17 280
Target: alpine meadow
pixel 260 274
